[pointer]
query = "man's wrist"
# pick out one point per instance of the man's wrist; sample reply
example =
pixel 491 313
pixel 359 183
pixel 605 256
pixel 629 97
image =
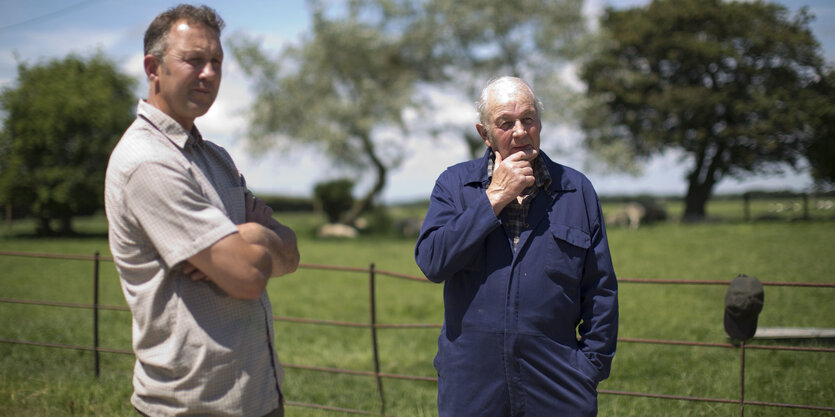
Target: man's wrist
pixel 496 201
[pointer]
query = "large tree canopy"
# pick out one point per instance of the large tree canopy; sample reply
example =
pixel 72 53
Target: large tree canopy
pixel 62 119
pixel 478 40
pixel 733 85
pixel 360 68
pixel 351 77
pixel 821 150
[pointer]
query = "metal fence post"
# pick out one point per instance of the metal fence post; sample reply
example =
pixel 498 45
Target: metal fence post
pixel 96 312
pixel 375 351
pixel 742 379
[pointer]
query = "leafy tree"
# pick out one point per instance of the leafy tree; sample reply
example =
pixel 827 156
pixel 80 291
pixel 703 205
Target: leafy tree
pixel 334 197
pixel 477 40
pixel 821 151
pixel 62 119
pixel 357 72
pixel 731 84
pixel 351 78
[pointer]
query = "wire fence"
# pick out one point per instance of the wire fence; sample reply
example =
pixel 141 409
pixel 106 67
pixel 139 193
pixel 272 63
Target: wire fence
pixel 373 325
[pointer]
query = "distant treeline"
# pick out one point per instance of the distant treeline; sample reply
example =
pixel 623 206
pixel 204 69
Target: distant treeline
pixel 753 194
pixel 304 204
pixel 288 203
pixel 280 203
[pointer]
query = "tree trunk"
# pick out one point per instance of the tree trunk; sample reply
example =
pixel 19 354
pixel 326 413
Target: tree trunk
pixel 44 226
pixel 705 175
pixel 66 225
pixel 695 202
pixel 362 204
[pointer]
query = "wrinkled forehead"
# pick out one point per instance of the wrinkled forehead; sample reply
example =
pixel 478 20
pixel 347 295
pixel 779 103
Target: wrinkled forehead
pixel 516 101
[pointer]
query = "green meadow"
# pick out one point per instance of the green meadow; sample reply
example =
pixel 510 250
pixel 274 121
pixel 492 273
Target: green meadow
pixel 46 381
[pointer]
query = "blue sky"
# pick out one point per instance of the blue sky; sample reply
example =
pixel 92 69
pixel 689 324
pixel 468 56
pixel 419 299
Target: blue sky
pixel 32 31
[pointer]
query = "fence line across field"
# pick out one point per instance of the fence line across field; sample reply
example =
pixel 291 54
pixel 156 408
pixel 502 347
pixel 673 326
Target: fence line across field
pixel 373 325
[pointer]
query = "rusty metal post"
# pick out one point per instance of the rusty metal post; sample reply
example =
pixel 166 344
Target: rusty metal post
pixel 742 379
pixel 96 312
pixel 375 350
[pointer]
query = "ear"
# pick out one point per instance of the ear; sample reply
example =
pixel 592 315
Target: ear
pixel 482 131
pixel 152 67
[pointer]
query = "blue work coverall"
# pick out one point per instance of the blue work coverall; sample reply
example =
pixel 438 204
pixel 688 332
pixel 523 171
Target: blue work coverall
pixel 510 344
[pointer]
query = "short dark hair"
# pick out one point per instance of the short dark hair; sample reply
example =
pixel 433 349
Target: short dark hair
pixel 156 36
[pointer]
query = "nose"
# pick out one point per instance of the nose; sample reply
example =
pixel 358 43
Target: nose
pixel 209 70
pixel 518 128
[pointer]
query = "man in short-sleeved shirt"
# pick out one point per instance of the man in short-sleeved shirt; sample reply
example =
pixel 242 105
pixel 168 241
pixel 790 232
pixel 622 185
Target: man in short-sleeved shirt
pixel 192 246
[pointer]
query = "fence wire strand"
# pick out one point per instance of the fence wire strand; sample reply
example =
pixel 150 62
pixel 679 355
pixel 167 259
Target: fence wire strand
pixel 373 325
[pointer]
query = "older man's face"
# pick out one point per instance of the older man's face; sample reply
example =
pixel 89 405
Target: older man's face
pixel 513 123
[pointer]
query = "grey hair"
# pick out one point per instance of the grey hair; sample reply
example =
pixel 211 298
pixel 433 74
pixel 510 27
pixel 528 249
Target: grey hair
pixel 156 36
pixel 481 104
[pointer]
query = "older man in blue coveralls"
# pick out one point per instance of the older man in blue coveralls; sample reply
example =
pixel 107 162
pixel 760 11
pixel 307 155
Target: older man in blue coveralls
pixel 530 294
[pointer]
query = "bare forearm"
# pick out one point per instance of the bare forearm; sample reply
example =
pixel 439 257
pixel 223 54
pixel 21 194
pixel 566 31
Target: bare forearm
pixel 284 251
pixel 278 239
pixel 236 265
pixel 279 242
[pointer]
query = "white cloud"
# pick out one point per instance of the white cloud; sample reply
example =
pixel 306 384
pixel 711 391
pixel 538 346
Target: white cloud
pixel 568 74
pixel 227 117
pixel 296 173
pixel 33 48
pixel 82 41
pixel 134 66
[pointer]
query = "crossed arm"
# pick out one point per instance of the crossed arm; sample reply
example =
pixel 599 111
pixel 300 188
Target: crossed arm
pixel 242 263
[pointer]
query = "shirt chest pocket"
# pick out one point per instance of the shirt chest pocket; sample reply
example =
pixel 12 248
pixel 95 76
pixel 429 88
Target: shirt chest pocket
pixel 565 256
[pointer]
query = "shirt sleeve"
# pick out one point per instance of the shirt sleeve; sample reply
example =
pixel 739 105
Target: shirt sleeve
pixel 454 230
pixel 173 211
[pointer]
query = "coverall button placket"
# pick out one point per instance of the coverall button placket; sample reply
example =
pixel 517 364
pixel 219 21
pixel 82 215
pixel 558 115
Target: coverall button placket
pixel 511 335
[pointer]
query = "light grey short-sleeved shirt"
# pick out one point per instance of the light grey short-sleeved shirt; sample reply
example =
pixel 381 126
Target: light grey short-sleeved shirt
pixel 168 195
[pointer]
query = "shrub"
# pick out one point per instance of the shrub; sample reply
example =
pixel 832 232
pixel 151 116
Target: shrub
pixel 333 197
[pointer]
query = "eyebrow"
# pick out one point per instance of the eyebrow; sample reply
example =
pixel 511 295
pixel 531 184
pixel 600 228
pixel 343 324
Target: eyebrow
pixel 503 116
pixel 201 52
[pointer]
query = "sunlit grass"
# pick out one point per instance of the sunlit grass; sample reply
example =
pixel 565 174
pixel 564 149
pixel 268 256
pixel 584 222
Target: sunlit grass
pixel 41 381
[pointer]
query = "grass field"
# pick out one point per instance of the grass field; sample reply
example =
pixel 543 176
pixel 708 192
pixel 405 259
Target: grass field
pixel 42 381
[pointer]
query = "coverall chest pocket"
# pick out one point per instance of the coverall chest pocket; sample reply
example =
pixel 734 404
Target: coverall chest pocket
pixel 565 257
